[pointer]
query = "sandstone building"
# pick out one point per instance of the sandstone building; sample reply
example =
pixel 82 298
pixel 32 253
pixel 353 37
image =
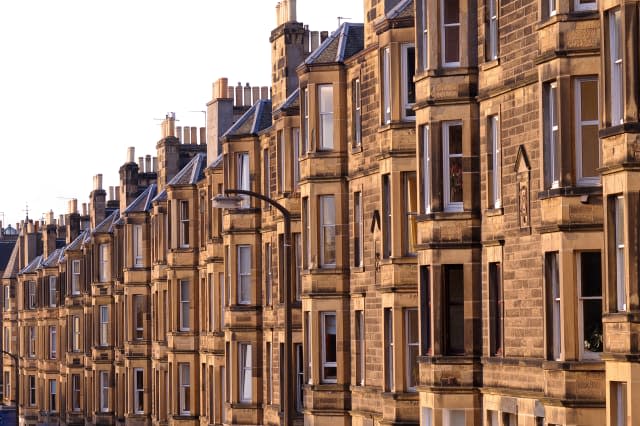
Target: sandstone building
pixel 461 243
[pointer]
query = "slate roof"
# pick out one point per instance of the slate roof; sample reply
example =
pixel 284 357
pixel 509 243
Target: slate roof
pixel 106 226
pixel 292 101
pixel 252 122
pixel 11 269
pixel 345 42
pixel 216 162
pixel 143 202
pixel 33 265
pixel 404 9
pixel 53 259
pixel 6 248
pixel 160 197
pixel 192 173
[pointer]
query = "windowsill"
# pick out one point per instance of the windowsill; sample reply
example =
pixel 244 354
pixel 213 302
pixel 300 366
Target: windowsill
pixel 633 127
pixel 408 395
pixel 487 65
pixel 574 15
pixel 357 269
pixel 499 211
pixel 444 215
pixel 356 149
pixel 394 125
pixel 620 317
pixel 244 405
pixel 243 308
pixel 449 359
pixel 564 191
pixel 582 365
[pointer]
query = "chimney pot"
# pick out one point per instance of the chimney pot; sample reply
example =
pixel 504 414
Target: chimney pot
pixel 147 164
pixel 61 220
pixel 140 164
pixel 255 94
pixel 131 154
pixel 84 209
pixel 239 95
pixel 97 182
pixel 73 206
pixel 203 136
pixel 187 135
pixel 194 135
pixel 222 86
pixel 264 92
pixel 247 95
pixel 323 36
pixel 315 40
pixel 117 193
pixel 179 133
pixel 278 15
pixel 111 193
pixel 292 11
pixel 155 164
pixel 230 92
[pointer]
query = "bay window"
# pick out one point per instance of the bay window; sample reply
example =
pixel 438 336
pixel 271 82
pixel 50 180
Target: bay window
pixel 454 309
pixel 586 131
pixel 184 391
pixel 245 369
pixel 137 246
pixel 104 391
pixel 496 310
pixel 619 253
pixel 388 349
pixel 243 176
pixel 357 112
pixel 328 335
pixel 386 85
pixel 104 272
pixel 244 274
pixel 325 116
pixel 425 163
pixel 138 390
pixel 327 231
pixel 358 231
pixel 491 30
pixel 452 152
pixel 412 343
pixel 494 184
pixel 590 304
pixel 185 305
pixel 554 318
pixel 53 288
pixel 75 277
pixel 410 211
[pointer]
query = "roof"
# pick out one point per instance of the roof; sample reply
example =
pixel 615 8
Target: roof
pixel 161 196
pixel 292 101
pixel 106 226
pixel 252 122
pixel 11 269
pixel 404 9
pixel 6 248
pixel 143 202
pixel 192 173
pixel 53 259
pixel 33 265
pixel 216 162
pixel 345 42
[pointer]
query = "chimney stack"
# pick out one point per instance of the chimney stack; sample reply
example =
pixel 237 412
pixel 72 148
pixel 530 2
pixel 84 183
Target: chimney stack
pixel 221 88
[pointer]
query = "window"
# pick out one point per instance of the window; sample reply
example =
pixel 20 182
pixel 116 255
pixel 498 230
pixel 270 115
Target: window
pixel 554 325
pixel 31 347
pixel 388 350
pixel 325 111
pixel 618 232
pixel 104 391
pixel 7 339
pixel 426 416
pixel 266 174
pixel 450 32
pixel 32 390
pixel 496 309
pixel 357 112
pixel 31 294
pixel 306 227
pixel 585 5
pixel 282 161
pixel 386 216
pixel 305 122
pixel 408 86
pixel 75 392
pixel 452 179
pixel 425 310
pixel 139 310
pixel 269 373
pixel 53 342
pixel 185 305
pixel 586 131
pixel 551 140
pixel 491 31
pixel 509 419
pixel 184 380
pixel 454 309
pixel 453 417
pixel 549 8
pixel 268 282
pixel 299 377
pixel 327 231
pixel 494 183
pixel 358 231
pixel 244 274
pixel 424 32
pixel 412 344
pixel 297 241
pixel 75 277
pixel 386 85
pixel 75 333
pixel 425 162
pixel 410 213
pixel 7 385
pixel 243 176
pixel 329 347
pixel 590 304
pixel 184 224
pixel 53 288
pixel 53 395
pixel 360 348
pixel 246 378
pixel 618 392
pixel 105 264
pixel 137 246
pixel 295 144
pixel 307 345
pixel 616 93
pixel 221 298
pixel 6 292
pixel 138 390
pixel 104 325
pixel 492 418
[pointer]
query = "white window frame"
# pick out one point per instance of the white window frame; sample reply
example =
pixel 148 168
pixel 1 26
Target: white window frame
pixel 323 338
pixel 308 342
pixel 305 136
pixel 577 6
pixel 7 298
pixel 406 105
pixel 492 30
pixel 443 38
pixel 581 337
pixel 31 293
pixel 493 134
pixel 138 392
pixel 295 145
pixel 358 230
pixel 31 336
pixel 386 85
pixel 245 368
pixel 426 170
pixel 551 148
pixel 553 259
pixel 409 345
pixel 282 161
pixel 75 333
pixel 104 263
pixel 389 348
pixel 579 123
pixel 326 223
pixel 104 325
pixel 138 329
pixel 357 113
pixel 53 395
pixel 619 236
pixel 32 389
pixel 104 391
pixel 7 339
pixel 53 289
pixel 185 305
pixel 75 393
pixel 616 78
pixel 138 258
pixel 450 206
pixel 424 30
pixel 551 7
pixel 326 123
pixel 53 342
pixel 184 382
pixel 75 277
pixel 268 282
pixel 426 416
pixel 619 410
pixel 183 205
pixel 452 417
pixel 243 253
pixel 243 176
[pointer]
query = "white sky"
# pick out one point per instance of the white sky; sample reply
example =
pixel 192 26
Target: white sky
pixel 82 80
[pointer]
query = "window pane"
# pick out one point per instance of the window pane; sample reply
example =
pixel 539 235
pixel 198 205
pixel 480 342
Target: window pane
pixel 591 274
pixel 455 309
pixel 452 42
pixel 590 150
pixel 451 11
pixel 589 100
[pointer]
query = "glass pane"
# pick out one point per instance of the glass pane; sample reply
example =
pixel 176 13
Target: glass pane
pixel 455 139
pixel 455 176
pixel 412 359
pixel 330 338
pixel 591 273
pixel 412 326
pixel 451 11
pixel 326 98
pixel 329 235
pixel 590 150
pixel 452 44
pixel 326 126
pixel 592 323
pixel 589 100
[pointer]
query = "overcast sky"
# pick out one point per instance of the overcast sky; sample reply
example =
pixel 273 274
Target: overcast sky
pixel 82 80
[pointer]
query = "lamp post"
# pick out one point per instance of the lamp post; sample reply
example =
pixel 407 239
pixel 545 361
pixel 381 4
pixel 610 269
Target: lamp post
pixel 227 202
pixel 17 390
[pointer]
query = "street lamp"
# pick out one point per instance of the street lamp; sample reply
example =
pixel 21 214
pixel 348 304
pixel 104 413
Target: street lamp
pixel 17 390
pixel 232 200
